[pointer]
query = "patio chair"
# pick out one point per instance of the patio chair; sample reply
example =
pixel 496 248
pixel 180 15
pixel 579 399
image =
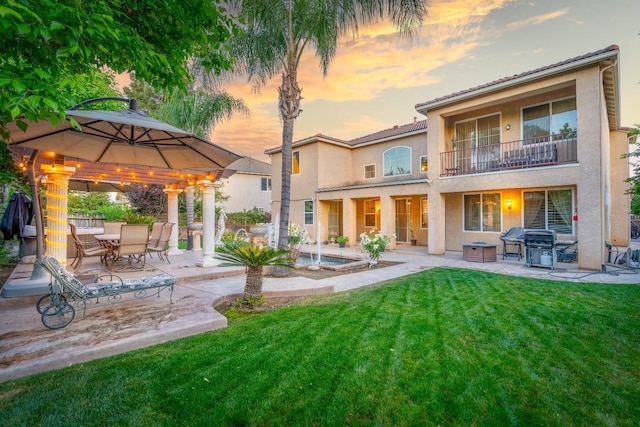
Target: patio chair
pixel 156 232
pixel 112 227
pixel 162 244
pixel 87 249
pixel 568 253
pixel 133 245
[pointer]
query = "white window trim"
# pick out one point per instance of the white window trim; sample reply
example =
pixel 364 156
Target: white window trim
pixel 268 184
pixel 304 211
pixel 374 171
pixel 410 162
pixel 420 164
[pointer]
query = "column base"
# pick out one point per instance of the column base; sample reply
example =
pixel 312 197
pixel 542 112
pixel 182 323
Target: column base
pixel 208 262
pixel 175 251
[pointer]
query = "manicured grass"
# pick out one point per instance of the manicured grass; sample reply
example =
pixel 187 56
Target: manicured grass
pixel 443 347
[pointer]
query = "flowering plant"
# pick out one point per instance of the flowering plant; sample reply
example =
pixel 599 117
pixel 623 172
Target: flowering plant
pixel 296 237
pixel 373 243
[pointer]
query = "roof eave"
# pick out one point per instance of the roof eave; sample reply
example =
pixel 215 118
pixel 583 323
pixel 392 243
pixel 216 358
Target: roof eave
pixel 424 108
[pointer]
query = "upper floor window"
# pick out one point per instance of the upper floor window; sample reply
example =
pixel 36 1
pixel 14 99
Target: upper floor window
pixel 369 171
pixel 424 166
pixel 397 161
pixel 550 210
pixel 553 118
pixel 482 212
pixel 308 212
pixel 295 163
pixel 265 184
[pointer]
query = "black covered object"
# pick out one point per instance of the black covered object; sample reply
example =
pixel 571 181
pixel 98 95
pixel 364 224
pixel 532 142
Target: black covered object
pixel 18 214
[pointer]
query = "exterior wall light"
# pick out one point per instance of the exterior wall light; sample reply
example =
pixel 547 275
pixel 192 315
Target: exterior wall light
pixel 509 203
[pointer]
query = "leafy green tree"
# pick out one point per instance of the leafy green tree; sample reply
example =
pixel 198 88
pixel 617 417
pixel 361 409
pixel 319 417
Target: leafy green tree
pixel 45 44
pixel 634 181
pixel 83 203
pixel 276 35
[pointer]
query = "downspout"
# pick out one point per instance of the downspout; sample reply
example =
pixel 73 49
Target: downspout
pixel 603 177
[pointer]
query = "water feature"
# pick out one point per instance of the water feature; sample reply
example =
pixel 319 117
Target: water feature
pixel 331 262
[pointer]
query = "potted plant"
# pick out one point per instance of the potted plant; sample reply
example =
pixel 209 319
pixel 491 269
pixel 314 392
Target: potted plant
pixel 342 240
pixel 413 239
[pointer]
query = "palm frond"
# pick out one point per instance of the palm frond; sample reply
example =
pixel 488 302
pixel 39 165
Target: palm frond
pixel 240 253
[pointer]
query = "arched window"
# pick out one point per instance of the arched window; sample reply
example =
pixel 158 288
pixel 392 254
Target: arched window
pixel 397 161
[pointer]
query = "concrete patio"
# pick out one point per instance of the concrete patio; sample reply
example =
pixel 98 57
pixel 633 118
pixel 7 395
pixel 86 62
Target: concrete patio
pixel 27 347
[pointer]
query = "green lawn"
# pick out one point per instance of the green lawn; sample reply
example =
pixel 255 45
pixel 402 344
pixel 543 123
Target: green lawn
pixel 443 347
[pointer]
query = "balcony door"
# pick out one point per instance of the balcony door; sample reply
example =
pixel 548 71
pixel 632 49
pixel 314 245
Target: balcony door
pixel 478 143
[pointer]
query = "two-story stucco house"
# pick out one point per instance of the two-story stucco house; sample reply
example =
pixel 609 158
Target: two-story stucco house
pixel 249 187
pixel 538 150
pixel 375 181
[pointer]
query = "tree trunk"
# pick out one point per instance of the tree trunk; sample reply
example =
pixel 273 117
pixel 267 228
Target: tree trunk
pixel 289 104
pixel 253 285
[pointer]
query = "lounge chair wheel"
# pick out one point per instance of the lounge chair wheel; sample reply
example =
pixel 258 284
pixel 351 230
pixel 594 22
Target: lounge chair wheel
pixel 47 301
pixel 58 316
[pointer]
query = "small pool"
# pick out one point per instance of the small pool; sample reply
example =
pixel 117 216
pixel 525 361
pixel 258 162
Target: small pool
pixel 331 262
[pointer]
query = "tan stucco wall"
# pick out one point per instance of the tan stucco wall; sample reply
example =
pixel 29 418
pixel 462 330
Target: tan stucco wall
pixel 620 225
pixel 244 191
pixel 588 177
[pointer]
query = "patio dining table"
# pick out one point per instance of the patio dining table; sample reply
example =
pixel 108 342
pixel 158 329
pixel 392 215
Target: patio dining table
pixel 110 241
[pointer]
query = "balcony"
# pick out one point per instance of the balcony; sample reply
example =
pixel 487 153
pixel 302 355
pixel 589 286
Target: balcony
pixel 549 150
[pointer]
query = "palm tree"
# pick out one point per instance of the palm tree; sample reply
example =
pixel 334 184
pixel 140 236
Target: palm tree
pixel 276 34
pixel 241 253
pixel 198 111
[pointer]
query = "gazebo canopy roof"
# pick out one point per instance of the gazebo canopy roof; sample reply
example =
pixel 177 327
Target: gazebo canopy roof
pixel 120 173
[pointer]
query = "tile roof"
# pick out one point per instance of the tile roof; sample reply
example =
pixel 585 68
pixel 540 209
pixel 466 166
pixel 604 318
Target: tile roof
pixel 416 126
pixel 547 68
pixel 397 130
pixel 249 165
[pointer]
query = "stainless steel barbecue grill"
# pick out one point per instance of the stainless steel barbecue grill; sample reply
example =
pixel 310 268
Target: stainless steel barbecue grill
pixel 540 248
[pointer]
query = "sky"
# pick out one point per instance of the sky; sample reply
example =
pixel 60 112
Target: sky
pixel 376 80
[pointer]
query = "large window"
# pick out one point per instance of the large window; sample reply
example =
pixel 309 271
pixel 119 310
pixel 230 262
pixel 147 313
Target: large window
pixel 553 118
pixel 295 167
pixel 397 161
pixel 482 212
pixel 308 212
pixel 549 210
pixel 265 184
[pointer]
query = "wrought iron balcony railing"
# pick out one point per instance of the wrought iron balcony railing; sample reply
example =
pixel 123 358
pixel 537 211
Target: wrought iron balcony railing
pixel 542 151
